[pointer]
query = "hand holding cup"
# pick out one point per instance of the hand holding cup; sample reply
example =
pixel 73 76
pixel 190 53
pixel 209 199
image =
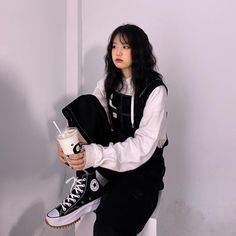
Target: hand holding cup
pixel 77 161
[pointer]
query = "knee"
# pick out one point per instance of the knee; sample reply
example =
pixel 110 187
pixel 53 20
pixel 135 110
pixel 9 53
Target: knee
pixel 88 98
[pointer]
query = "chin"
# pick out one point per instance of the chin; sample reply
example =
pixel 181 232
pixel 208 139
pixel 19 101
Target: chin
pixel 119 67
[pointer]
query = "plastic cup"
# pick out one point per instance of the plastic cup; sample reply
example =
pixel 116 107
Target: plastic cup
pixel 69 140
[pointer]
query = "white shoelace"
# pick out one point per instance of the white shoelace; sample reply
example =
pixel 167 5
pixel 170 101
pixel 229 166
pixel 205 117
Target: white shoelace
pixel 77 186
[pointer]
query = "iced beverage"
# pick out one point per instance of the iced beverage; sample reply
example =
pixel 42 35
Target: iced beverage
pixel 69 140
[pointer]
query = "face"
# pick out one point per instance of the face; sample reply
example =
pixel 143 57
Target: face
pixel 121 56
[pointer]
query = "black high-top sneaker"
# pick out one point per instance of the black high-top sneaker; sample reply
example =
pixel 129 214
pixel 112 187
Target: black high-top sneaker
pixel 84 198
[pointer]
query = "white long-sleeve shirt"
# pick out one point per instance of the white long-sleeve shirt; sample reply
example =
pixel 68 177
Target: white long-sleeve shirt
pixel 134 151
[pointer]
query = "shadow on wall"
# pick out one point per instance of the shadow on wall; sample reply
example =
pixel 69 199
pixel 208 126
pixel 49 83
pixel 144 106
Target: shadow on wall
pixel 93 68
pixel 30 224
pixel 22 146
pixel 24 156
pixel 30 220
pixel 24 149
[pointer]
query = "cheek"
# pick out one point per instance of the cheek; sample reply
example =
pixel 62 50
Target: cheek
pixel 113 55
pixel 129 56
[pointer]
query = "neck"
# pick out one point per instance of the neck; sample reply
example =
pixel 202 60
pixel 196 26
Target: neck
pixel 126 73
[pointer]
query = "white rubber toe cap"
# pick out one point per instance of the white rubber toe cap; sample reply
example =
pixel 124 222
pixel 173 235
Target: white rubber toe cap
pixel 53 213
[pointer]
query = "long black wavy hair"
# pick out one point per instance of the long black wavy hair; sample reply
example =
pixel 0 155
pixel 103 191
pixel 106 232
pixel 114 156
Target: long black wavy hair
pixel 143 61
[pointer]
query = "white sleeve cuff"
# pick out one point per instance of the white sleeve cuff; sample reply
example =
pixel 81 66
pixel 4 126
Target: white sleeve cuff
pixel 91 155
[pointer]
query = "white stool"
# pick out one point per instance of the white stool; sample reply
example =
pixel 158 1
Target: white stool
pixel 85 226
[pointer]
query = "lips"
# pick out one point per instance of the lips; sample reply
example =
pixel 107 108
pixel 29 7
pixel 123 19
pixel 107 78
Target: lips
pixel 118 60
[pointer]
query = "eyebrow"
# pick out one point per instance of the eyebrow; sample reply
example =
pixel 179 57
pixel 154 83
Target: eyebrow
pixel 121 43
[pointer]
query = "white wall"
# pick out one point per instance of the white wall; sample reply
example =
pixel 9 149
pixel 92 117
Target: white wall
pixel 195 45
pixel 32 94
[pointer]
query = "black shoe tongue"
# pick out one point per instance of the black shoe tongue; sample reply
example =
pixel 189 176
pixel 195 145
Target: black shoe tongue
pixel 81 174
pixel 73 192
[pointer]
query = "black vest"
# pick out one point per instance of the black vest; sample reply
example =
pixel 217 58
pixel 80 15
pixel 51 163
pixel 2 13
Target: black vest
pixel 119 108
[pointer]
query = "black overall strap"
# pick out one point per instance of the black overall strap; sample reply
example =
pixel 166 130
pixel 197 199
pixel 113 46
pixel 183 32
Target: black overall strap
pixel 149 88
pixel 141 99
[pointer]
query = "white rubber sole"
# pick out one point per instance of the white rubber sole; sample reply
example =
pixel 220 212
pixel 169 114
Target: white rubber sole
pixel 72 217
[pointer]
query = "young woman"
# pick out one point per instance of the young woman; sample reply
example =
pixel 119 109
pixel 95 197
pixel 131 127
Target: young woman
pixel 124 130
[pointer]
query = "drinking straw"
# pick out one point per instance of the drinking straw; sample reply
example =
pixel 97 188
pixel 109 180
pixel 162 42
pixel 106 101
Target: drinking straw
pixel 54 122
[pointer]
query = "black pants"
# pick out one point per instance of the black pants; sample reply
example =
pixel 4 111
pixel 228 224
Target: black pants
pixel 125 207
pixel 130 197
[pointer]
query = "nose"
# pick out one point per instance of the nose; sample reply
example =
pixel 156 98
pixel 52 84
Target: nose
pixel 119 52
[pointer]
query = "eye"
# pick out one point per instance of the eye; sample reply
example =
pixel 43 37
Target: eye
pixel 113 46
pixel 126 46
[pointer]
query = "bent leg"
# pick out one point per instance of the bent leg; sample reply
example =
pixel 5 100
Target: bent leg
pixel 89 116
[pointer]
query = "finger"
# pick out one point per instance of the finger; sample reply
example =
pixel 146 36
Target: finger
pixel 60 153
pixel 76 162
pixel 78 167
pixel 62 157
pixel 59 148
pixel 76 156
